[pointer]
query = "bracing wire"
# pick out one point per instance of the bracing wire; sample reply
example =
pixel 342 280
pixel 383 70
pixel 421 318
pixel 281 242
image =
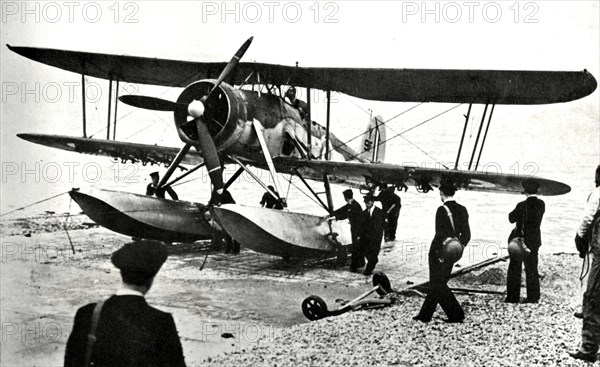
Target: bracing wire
pixel 368 131
pixel 413 127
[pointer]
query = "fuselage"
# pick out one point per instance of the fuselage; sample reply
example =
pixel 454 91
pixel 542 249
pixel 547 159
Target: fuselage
pixel 232 112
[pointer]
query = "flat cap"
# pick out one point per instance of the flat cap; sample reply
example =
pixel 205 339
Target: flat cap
pixel 144 257
pixel 530 186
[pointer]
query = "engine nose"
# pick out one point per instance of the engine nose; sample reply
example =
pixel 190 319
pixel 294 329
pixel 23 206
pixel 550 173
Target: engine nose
pixel 221 110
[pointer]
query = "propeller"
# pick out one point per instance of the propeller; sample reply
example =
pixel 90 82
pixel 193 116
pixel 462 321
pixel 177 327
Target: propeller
pixel 196 109
pixel 230 66
pixel 153 103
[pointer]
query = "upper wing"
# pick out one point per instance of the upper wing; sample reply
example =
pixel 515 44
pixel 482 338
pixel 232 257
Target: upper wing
pixel 354 174
pixel 144 153
pixel 401 85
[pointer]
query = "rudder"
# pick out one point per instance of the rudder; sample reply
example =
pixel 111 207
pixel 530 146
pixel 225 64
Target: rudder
pixel 373 141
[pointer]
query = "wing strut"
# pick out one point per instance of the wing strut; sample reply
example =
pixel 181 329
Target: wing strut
pixel 174 164
pixel 83 101
pixel 234 177
pixel 308 124
pixel 109 107
pixel 261 139
pixel 116 105
pixel 186 174
pixel 485 136
pixel 462 139
pixel 255 177
pixel 312 191
pixel 478 135
pixel 327 154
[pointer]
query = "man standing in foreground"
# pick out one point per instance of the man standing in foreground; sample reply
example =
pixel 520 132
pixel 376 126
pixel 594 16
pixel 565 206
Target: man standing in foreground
pixel 372 233
pixel 528 216
pixel 588 243
pixel 124 330
pixel 440 269
pixel 353 212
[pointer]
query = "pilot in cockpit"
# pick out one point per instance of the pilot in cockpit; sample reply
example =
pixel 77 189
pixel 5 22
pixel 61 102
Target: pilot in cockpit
pixel 300 105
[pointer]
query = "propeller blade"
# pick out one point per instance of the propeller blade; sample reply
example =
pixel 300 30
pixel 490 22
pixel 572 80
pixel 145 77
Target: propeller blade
pixel 231 65
pixel 210 155
pixel 152 103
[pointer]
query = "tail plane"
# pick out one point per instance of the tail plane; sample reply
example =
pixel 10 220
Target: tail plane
pixel 373 142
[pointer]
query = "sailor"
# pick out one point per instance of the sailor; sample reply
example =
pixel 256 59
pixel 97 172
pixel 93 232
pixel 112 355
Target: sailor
pixel 390 204
pixel 296 103
pixel 152 188
pixel 528 216
pixel 353 212
pixel 587 241
pixel 373 225
pixel 269 201
pixel 440 269
pixel 127 331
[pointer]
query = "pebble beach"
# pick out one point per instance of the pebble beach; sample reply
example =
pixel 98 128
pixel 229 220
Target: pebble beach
pixel 493 334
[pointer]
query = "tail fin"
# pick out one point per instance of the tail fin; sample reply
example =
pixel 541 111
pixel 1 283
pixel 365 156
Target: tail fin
pixel 373 142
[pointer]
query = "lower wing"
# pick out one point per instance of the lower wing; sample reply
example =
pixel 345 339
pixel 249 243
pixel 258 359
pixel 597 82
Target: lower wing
pixel 134 152
pixel 357 174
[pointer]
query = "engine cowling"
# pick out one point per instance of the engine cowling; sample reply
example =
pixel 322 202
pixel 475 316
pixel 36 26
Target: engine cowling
pixel 224 112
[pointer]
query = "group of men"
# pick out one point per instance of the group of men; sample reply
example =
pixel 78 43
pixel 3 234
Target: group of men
pixel 367 230
pixel 367 226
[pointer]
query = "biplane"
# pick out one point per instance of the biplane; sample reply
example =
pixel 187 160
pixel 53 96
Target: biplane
pixel 236 113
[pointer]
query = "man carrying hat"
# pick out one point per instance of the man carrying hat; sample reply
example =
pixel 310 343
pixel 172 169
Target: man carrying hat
pixel 528 216
pixel 451 220
pixel 152 188
pixel 124 330
pixel 353 212
pixel 373 225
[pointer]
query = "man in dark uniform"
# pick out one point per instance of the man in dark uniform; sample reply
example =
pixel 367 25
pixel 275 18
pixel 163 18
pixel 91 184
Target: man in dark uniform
pixel 269 201
pixel 440 269
pixel 353 212
pixel 528 215
pixel 152 188
pixel 128 332
pixel 390 204
pixel 373 225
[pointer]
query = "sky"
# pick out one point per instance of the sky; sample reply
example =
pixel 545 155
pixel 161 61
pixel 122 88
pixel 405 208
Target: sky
pixel 522 35
pixel 539 35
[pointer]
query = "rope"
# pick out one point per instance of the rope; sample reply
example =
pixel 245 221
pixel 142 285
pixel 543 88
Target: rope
pixel 65 227
pixel 37 202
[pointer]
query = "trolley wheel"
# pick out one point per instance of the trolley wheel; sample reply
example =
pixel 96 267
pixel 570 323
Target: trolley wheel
pixel 381 280
pixel 314 308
